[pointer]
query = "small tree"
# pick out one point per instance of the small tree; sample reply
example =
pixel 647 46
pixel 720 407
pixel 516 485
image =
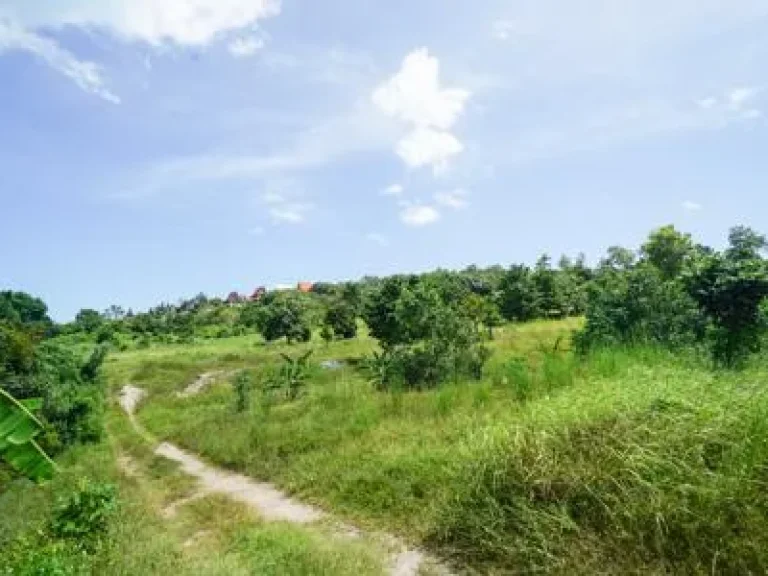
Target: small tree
pixel 341 320
pixel 668 250
pixel 729 287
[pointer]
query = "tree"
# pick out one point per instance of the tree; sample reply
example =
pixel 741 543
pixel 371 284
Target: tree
pixel 284 316
pixel 518 298
pixel 730 287
pixel 667 250
pixel 618 258
pixel 89 320
pixel 341 320
pixel 21 308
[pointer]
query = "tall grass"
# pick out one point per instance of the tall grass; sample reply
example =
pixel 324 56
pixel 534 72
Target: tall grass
pixel 628 461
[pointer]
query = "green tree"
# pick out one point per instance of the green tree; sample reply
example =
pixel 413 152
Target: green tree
pixel 89 320
pixel 284 316
pixel 667 250
pixel 341 319
pixel 730 287
pixel 518 295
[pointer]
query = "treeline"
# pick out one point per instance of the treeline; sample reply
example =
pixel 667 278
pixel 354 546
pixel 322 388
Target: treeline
pixel 518 293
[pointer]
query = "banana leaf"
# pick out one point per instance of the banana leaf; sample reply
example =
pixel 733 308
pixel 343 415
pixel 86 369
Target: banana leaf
pixel 18 427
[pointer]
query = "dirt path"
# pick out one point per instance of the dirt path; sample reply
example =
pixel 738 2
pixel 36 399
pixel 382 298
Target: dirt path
pixel 203 381
pixel 269 502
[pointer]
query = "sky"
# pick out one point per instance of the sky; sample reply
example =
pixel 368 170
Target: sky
pixel 151 150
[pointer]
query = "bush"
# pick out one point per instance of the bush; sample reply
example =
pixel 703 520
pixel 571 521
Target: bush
pixel 425 340
pixel 85 515
pixel 638 306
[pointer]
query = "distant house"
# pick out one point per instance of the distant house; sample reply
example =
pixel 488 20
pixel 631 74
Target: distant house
pixel 305 287
pixel 258 294
pixel 234 298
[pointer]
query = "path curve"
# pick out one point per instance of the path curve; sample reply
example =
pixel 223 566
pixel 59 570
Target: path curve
pixel 266 499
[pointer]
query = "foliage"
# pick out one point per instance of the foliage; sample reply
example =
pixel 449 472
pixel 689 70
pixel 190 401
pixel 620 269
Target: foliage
pixel 518 298
pixel 341 319
pixel 637 306
pixel 668 250
pixel 18 427
pixel 426 338
pixel 84 516
pixel 729 287
pixel 89 320
pixel 291 378
pixel 285 316
pixel 242 385
pixel 19 308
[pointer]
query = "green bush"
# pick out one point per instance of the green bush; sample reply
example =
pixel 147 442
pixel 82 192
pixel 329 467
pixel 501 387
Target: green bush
pixel 85 515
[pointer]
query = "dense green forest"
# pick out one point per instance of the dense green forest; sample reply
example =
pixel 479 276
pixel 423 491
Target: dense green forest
pixel 569 502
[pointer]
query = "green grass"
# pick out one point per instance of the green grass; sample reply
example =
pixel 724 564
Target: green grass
pixel 632 461
pixel 211 535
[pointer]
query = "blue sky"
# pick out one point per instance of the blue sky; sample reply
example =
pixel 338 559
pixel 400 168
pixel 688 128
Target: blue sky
pixel 153 150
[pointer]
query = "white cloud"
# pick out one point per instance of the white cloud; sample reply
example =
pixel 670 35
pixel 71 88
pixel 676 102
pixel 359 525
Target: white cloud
pixel 707 103
pixel 245 46
pixel 752 114
pixel 182 22
pixel 393 190
pixel 456 199
pixel 284 200
pixel 428 147
pixel 414 96
pixel 377 239
pixel 691 206
pixel 290 213
pixel 256 231
pixel 85 75
pixel 738 97
pixel 419 215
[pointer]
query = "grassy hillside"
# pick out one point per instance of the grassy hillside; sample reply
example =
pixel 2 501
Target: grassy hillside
pixel 630 461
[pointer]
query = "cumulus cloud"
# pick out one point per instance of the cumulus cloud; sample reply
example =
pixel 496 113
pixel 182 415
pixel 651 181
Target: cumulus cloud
pixel 245 46
pixel 456 199
pixel 393 190
pixel 86 75
pixel 419 215
pixel 428 147
pixel 415 96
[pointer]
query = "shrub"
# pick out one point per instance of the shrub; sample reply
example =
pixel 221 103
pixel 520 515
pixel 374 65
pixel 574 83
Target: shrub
pixel 85 515
pixel 242 385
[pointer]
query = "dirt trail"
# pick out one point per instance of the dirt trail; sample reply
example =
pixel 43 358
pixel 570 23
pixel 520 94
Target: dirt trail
pixel 203 381
pixel 268 501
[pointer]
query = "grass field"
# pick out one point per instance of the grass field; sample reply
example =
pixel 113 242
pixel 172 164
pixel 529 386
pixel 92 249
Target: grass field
pixel 626 462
